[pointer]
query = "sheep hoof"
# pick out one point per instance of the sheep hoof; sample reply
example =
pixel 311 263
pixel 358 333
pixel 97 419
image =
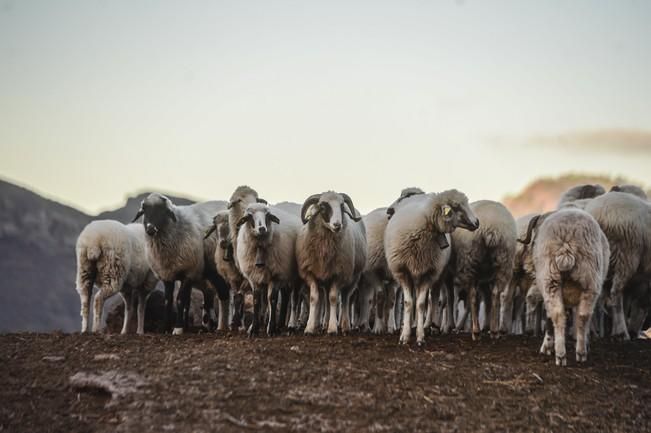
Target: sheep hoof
pixel 476 336
pixel 420 344
pixel 495 335
pixel 561 361
pixel 403 340
pixel 581 357
pixel 332 333
pixel 177 331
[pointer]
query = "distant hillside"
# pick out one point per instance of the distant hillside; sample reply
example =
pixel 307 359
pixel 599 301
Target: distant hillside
pixel 542 195
pixel 37 258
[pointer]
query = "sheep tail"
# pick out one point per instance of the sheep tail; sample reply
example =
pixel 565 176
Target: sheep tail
pixel 93 253
pixel 564 258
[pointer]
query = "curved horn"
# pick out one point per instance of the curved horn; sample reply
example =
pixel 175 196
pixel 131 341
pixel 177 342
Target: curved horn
pixel 140 213
pixel 261 200
pixel 314 198
pixel 349 203
pixel 210 231
pixel 530 227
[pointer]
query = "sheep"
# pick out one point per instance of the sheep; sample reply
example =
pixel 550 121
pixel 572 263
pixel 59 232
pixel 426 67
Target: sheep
pixel 266 254
pixel 581 192
pixel 482 260
pixel 177 251
pixel 523 279
pixel 631 189
pixel 111 255
pixel 225 264
pixel 416 244
pixel 376 278
pixel 626 221
pixel 570 255
pixel 240 199
pixel 331 252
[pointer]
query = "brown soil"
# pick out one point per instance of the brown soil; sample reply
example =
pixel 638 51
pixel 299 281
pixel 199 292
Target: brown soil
pixel 205 382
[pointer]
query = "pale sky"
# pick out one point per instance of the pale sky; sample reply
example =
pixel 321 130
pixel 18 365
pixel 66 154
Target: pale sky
pixel 99 99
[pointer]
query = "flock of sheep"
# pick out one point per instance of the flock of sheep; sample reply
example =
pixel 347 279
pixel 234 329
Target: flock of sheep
pixel 432 259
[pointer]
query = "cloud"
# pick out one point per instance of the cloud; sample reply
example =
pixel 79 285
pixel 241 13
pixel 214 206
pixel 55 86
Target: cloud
pixel 634 141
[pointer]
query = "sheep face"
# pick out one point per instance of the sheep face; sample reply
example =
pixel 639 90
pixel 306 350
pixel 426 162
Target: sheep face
pixel 330 208
pixel 258 218
pixel 404 194
pixel 157 213
pixel 453 211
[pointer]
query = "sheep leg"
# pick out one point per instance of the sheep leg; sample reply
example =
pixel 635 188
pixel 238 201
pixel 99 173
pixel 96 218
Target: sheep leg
pixel 284 306
pixel 182 307
pixel 169 304
pixel 497 290
pixel 431 304
pixel 406 315
pixel 272 306
pixel 446 326
pixel 461 319
pixel 421 305
pixel 238 310
pixel 583 318
pixel 381 310
pixel 85 292
pixel 474 314
pixel 507 307
pixel 258 293
pixel 556 312
pixel 517 326
pixel 98 307
pixel 390 307
pixel 142 304
pixel 365 294
pixel 128 299
pixel 332 320
pixel 294 306
pixel 312 318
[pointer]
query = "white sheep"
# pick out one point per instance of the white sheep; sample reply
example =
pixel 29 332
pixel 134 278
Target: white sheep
pixel 266 255
pixel 377 282
pixel 416 246
pixel 331 252
pixel 177 251
pixel 111 256
pixel 626 221
pixel 570 255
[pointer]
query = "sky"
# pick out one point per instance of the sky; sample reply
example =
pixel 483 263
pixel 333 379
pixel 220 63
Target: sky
pixel 101 99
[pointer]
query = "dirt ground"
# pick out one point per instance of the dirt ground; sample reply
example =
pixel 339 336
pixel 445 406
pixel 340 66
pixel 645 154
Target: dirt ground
pixel 207 382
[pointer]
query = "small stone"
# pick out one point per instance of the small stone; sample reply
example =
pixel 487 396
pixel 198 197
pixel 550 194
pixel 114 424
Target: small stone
pixel 295 349
pixel 54 358
pixel 106 357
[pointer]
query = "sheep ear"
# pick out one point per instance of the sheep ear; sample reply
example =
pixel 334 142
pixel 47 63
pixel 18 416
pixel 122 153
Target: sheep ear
pixel 243 221
pixel 232 203
pixel 616 188
pixel 140 212
pixel 210 231
pixel 261 200
pixel 446 210
pixel 273 218
pixel 390 212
